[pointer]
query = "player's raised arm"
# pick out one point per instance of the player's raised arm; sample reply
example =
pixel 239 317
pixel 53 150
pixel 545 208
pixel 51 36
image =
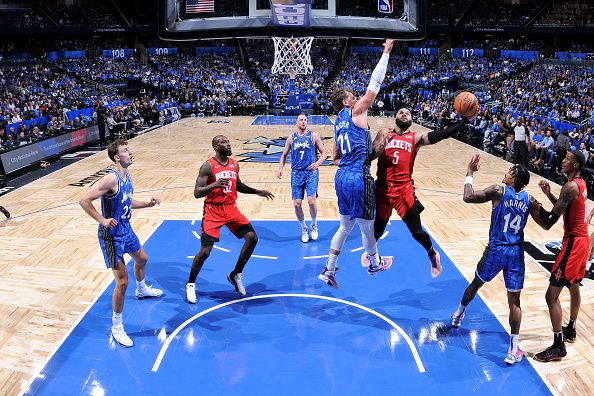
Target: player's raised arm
pixel 569 193
pixel 490 193
pixel 375 83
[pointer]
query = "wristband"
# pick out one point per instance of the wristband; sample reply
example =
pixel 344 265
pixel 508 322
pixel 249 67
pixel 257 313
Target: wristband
pixel 468 180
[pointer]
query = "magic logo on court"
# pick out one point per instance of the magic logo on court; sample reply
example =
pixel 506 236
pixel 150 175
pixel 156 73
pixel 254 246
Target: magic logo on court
pixel 269 150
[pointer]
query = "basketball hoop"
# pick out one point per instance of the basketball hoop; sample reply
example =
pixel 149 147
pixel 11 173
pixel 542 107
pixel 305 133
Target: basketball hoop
pixel 291 56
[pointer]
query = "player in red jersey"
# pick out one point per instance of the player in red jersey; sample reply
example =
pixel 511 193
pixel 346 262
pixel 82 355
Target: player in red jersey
pixel 218 181
pixel 570 265
pixel 394 187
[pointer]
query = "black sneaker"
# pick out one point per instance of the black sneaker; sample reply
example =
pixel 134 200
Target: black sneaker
pixel 553 353
pixel 5 212
pixel 568 334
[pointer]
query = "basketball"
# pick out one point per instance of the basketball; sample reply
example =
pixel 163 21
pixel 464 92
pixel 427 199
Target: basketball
pixel 466 104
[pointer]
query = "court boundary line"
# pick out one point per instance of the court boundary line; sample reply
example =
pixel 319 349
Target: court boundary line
pixel 487 303
pixel 80 318
pixel 175 332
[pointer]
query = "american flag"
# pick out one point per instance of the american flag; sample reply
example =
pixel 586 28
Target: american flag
pixel 193 6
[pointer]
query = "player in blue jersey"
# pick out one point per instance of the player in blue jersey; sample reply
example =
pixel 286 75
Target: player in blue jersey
pixel 116 236
pixel 505 251
pixel 353 152
pixel 304 146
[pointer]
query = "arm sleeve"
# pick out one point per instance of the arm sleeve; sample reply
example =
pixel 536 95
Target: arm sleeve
pixel 377 77
pixel 440 134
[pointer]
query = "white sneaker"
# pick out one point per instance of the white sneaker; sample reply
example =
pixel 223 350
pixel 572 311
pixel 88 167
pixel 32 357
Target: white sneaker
pixel 191 293
pixel 314 232
pixel 329 277
pixel 148 292
pixel 304 235
pixel 237 283
pixel 120 336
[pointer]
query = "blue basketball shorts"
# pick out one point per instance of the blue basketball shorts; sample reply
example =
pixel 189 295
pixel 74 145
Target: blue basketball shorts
pixel 509 259
pixel 355 192
pixel 304 180
pixel 114 247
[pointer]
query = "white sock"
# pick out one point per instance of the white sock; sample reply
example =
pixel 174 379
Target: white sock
pixel 314 221
pixel 374 259
pixel 116 319
pixel 331 263
pixel 514 342
pixel 302 222
pixel 140 285
pixel 461 308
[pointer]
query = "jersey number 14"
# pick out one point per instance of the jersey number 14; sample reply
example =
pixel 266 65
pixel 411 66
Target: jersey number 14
pixel 516 223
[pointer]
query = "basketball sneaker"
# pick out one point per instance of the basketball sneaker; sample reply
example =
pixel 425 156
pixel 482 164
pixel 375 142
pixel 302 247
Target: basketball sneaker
pixel 314 232
pixel 304 235
pixel 120 336
pixel 5 212
pixel 551 354
pixel 383 265
pixel 148 292
pixel 457 318
pixel 236 281
pixel 512 358
pixel 569 334
pixel 191 293
pixel 329 277
pixel 365 260
pixel 435 264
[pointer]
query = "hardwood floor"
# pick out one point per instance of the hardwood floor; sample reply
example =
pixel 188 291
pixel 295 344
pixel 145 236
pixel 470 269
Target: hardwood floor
pixel 52 269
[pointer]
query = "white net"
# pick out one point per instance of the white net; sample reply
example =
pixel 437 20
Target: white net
pixel 291 56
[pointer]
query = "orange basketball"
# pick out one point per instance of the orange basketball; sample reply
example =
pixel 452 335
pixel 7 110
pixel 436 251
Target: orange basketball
pixel 466 104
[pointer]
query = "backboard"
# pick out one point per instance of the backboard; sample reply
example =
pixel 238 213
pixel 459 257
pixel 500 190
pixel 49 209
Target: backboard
pixel 218 19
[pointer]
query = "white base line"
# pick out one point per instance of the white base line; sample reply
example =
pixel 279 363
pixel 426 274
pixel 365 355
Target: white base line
pixel 315 257
pixel 175 332
pixel 265 257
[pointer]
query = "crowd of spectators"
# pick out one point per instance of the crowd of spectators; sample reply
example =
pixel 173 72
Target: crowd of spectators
pixel 469 69
pixel 498 13
pixel 568 13
pixel 21 18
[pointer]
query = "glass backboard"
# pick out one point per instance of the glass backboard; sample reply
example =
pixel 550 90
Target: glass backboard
pixel 208 19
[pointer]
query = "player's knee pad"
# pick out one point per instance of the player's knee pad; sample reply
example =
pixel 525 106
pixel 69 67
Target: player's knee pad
pixel 345 228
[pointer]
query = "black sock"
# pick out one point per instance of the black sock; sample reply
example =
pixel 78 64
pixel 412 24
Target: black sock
pixel 558 338
pixel 571 324
pixel 241 262
pixel 196 267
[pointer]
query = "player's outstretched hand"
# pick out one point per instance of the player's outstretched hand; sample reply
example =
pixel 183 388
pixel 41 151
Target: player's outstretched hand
pixel 475 163
pixel 388 45
pixel 109 223
pixel 545 186
pixel 265 194
pixel 153 202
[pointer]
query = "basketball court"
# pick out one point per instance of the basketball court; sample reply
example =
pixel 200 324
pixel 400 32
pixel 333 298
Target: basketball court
pixel 374 334
pixel 291 334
